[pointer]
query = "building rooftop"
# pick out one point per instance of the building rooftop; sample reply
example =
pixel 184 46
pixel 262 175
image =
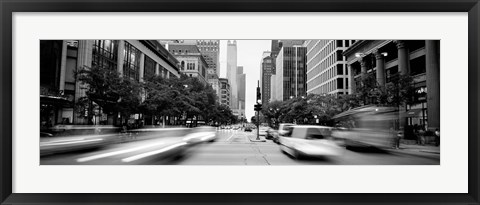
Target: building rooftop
pixel 183 48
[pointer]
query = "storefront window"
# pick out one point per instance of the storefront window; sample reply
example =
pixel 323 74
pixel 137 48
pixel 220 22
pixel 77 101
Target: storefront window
pixel 105 53
pixel 149 69
pixel 132 62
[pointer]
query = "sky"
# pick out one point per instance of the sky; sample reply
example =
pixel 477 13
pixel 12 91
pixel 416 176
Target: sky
pixel 249 55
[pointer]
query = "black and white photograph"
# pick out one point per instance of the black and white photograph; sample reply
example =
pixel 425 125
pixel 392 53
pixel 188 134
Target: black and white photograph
pixel 240 102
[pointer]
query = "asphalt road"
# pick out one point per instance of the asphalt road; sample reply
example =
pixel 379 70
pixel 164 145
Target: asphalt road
pixel 232 147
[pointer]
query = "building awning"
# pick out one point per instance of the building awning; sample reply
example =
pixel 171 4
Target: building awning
pixel 55 100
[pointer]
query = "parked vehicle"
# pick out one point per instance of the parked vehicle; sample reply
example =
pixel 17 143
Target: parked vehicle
pixel 248 129
pixel 309 140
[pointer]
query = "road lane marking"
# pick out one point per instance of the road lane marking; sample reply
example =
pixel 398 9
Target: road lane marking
pixel 109 154
pixel 230 137
pixel 147 154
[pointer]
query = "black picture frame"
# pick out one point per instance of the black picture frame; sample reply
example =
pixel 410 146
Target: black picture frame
pixel 8 7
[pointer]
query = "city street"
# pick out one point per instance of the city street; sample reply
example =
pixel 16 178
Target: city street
pixel 232 147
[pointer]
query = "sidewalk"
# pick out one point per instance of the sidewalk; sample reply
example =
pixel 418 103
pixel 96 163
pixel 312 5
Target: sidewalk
pixel 419 148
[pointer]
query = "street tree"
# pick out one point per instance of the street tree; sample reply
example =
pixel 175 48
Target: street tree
pixel 106 88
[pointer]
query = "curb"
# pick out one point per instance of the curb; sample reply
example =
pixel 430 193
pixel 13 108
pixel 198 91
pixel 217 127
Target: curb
pixel 429 151
pixel 417 153
pixel 255 139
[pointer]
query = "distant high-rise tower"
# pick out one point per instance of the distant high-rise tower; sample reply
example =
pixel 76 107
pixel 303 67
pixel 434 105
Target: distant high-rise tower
pixel 232 74
pixel 241 91
pixel 266 71
pixel 275 48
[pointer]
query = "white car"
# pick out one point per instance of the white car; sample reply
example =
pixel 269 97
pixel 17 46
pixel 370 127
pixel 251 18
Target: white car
pixel 283 129
pixel 263 131
pixel 309 140
pixel 201 134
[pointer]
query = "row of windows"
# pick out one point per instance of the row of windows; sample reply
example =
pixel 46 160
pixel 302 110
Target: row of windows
pixel 208 49
pixel 191 66
pixel 294 77
pixel 105 54
pixel 338 69
pixel 323 63
pixel 149 67
pixel 338 83
pixel 324 48
pixel 346 43
pixel 131 61
pixel 326 76
pixel 207 42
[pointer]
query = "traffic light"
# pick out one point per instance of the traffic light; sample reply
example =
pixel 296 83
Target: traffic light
pixel 258 107
pixel 259 94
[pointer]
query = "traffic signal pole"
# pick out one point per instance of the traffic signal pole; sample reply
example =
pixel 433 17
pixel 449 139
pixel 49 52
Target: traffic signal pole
pixel 259 98
pixel 258 129
pixel 258 108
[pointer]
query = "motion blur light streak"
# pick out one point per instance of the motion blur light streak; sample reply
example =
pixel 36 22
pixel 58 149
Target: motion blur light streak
pixel 140 156
pixel 208 137
pixel 109 154
pixel 73 142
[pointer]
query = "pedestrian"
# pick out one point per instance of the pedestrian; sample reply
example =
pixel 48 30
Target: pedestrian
pixel 437 137
pixel 399 138
pixel 421 135
pixel 393 137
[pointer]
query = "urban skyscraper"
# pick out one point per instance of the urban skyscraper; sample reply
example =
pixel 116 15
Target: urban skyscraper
pixel 210 50
pixel 241 91
pixel 291 72
pixel 266 71
pixel 327 71
pixel 232 74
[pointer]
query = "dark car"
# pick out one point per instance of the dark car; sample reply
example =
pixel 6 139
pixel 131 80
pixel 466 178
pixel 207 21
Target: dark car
pixel 248 129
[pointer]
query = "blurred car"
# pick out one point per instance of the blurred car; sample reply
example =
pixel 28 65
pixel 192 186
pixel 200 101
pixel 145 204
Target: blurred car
pixel 262 131
pixel 53 145
pixel 368 127
pixel 201 134
pixel 45 134
pixel 309 140
pixel 270 133
pixel 283 129
pixel 248 129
